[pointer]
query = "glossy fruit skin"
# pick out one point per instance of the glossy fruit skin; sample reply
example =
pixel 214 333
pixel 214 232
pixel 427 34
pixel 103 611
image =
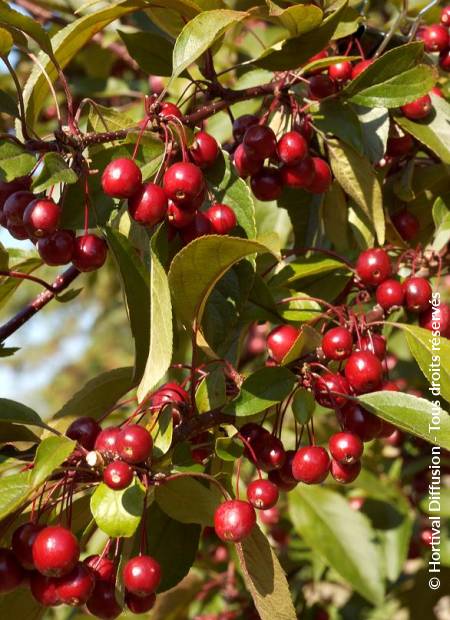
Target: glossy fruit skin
pixel 444 61
pixel 169 393
pixel 22 543
pixel 241 124
pixel 148 206
pixel 15 205
pixel 435 38
pixel 55 551
pixel 277 480
pixel 364 372
pixel 322 177
pixel 344 474
pixel 183 182
pixel 117 475
pixel 311 465
pixel 269 452
pixel 260 142
pixel 285 472
pixel 75 588
pixel 341 71
pixel 179 218
pixel 406 223
pixel 17 231
pixel 103 569
pixel 234 520
pixel 121 178
pixel 398 146
pixel 437 320
pixel 170 109
pixel 346 448
pixel 139 604
pixel 134 444
pixel 85 431
pixel 204 150
pixel 418 109
pixel 280 340
pixel 304 127
pixel 44 590
pixel 253 435
pixel 330 382
pixel 374 343
pixel 102 603
pixel 319 56
pixel 418 294
pixel 373 266
pixel 106 442
pixel 360 67
pixel 390 294
pixel 300 176
pixel 142 575
pixel 89 253
pixel 222 218
pixel 361 422
pixel 445 16
pixel 57 249
pixel 337 343
pixel 41 217
pixel 321 86
pixel 11 572
pixel 267 184
pixel 199 227
pixel 262 494
pixel 10 187
pixel 244 164
pixel 292 148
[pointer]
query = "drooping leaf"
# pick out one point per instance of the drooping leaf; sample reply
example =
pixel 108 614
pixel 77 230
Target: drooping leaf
pixel 14 490
pixel 297 19
pixel 188 500
pixel 339 119
pixel 118 513
pixel 12 411
pixel 162 431
pixel 54 170
pixel 172 16
pixel 376 123
pixel 15 161
pixel 303 405
pixel 335 217
pixel 152 52
pixel 305 267
pixel 211 393
pixel 26 24
pixel 51 453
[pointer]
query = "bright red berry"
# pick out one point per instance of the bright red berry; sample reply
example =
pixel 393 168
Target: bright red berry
pixel 346 448
pixel 398 146
pixel 435 38
pixel 438 92
pixel 445 16
pixel 292 148
pixel 364 372
pixel 426 537
pixel 55 551
pixel 14 207
pixel 271 516
pixel 169 109
pixel 234 520
pixel 118 475
pixel 134 444
pixel 360 422
pixel 142 575
pixel 22 543
pixel 121 178
pixel 322 177
pixel 418 294
pixel 183 182
pixel 280 341
pixel 319 56
pixel 360 67
pixel 344 474
pixel 41 217
pixel 267 184
pixel 389 294
pixel 244 164
pixel 337 343
pixel 169 393
pixel 436 318
pixel 106 442
pixel 299 176
pixel 102 568
pixel 374 343
pixel 373 267
pixel 341 71
pixel 330 390
pixel 76 587
pixel 222 218
pixel 11 572
pixel 204 149
pixel 148 206
pixel 89 253
pixel 260 142
pixel 85 431
pixel 57 249
pixel 199 227
pixel 179 218
pixel 139 604
pixel 321 86
pixel 262 494
pixel 311 465
pixel 102 603
pixel 406 224
pixel 44 590
pixel 418 109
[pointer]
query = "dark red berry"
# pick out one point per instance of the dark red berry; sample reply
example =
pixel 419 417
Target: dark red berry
pixel 322 177
pixel 387 429
pixel 341 71
pixel 292 148
pixel 406 224
pixel 134 444
pixel 222 218
pixel 299 176
pixel 183 182
pixel 270 453
pixel 41 217
pixel 374 343
pixel 44 590
pixel 22 543
pixel 234 520
pixel 102 568
pixel 253 434
pixel 139 604
pixel 169 393
pixel 106 442
pixel 364 372
pixel 169 109
pixel 18 232
pixel 271 516
pixel 444 64
pixel 360 67
pixel 436 318
pixel 102 603
pixel 360 422
pixel 121 178
pixel 241 124
pixel 373 267
pixel 14 207
pixel 418 109
pixel 148 206
pixel 435 38
pixel 304 127
pixel 89 253
pixel 346 448
pixel 204 150
pixel 330 390
pixel 418 294
pixel 10 187
pixel 179 218
pixel 445 16
pixel 319 56
pixel 199 227
pixel 389 294
pixel 262 494
pixel 85 431
pixel 260 142
pixel 244 164
pixel 267 184
pixel 345 473
pixel 118 475
pixel 337 343
pixel 280 341
pixel 142 575
pixel 321 86
pixel 55 551
pixel 75 588
pixel 398 146
pixel 285 472
pixel 311 465
pixel 57 249
pixel 277 480
pixel 11 572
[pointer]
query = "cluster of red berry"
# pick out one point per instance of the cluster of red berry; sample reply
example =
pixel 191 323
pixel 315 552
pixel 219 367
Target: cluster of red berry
pixel 436 39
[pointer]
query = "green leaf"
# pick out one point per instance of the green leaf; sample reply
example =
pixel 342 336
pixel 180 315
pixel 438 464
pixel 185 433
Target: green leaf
pixel 261 390
pixel 8 105
pixel 10 285
pixel 135 286
pixel 161 331
pixel 200 34
pixel 173 544
pixel 297 19
pixel 303 405
pixel 306 342
pixel 305 267
pixel 15 161
pixel 151 51
pixel 26 24
pixel 172 16
pixel 54 170
pixel 265 578
pixel 323 63
pixel 199 266
pixel 188 500
pixel 211 392
pixel 357 177
pixel 6 42
pixel 118 513
pixel 335 217
pixel 14 490
pixel 228 449
pixel 51 453
pixel 21 603
pixel 414 415
pixel 421 344
pixel 339 119
pixel 12 411
pixel 376 123
pixel 341 536
pixel 441 217
pixel 162 432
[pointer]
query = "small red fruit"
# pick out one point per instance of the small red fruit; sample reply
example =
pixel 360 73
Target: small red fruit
pixel 262 494
pixel 444 64
pixel 148 206
pixel 22 543
pixel 300 176
pixel 44 590
pixel 344 474
pixel 85 431
pixel 57 249
pixel 199 227
pixel 244 164
pixel 169 393
pixel 106 442
pixel 15 206
pixel 360 422
pixel 321 86
pixel 322 177
pixel 285 472
pixel 360 67
pixel 142 575
pixel 341 71
pixel 418 109
pixel 102 568
pixel 267 184
pixel 139 604
pixel 75 588
pixel 222 218
pixel 41 217
pixel 374 343
pixel 179 218
pixel 390 294
pixel 337 343
pixel 55 551
pixel 241 124
pixel 234 520
pixel 436 318
pixel 11 572
pixel 89 253
pixel 117 475
pixel 435 38
pixel 346 448
pixel 169 109
pixel 398 146
pixel 204 150
pixel 311 465
pixel 418 294
pixel 183 182
pixel 292 148
pixel 271 516
pixel 373 267
pixel 102 603
pixel 445 16
pixel 364 372
pixel 121 178
pixel 260 142
pixel 280 341
pixel 406 224
pixel 330 390
pixel 277 480
pixel 134 444
pixel 269 452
